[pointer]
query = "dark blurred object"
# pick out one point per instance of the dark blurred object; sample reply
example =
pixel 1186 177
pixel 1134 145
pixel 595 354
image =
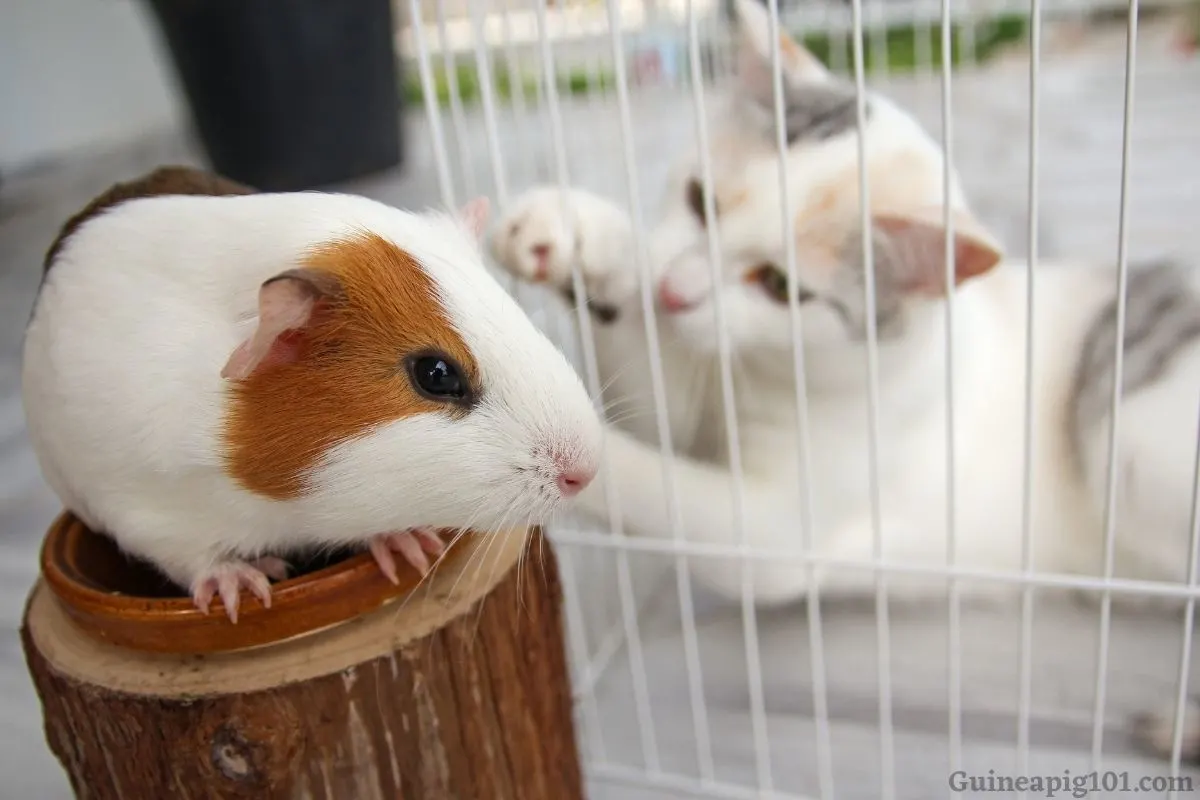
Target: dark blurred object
pixel 288 94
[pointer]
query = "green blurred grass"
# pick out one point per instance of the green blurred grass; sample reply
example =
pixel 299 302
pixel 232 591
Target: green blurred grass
pixel 470 89
pixel 900 55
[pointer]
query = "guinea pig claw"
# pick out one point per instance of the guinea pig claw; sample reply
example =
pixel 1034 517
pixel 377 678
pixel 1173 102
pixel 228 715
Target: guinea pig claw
pixel 274 568
pixel 226 580
pixel 430 541
pixel 412 545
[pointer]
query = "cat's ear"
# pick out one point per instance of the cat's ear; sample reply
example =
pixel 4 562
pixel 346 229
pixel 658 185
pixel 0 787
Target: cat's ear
pixel 754 67
pixel 915 248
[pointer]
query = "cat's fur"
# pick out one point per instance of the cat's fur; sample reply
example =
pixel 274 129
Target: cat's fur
pixel 545 233
pixel 1154 732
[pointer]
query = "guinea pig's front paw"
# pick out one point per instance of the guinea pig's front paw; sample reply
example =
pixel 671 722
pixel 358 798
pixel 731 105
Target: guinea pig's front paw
pixel 415 546
pixel 227 579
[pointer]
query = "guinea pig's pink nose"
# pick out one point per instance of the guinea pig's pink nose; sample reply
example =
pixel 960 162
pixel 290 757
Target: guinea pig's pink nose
pixel 671 300
pixel 574 480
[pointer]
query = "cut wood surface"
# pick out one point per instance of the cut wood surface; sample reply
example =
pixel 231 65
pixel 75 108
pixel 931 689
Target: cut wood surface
pixel 460 690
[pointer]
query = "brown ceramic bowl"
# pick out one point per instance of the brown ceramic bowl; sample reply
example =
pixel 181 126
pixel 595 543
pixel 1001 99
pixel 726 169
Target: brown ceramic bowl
pixel 125 602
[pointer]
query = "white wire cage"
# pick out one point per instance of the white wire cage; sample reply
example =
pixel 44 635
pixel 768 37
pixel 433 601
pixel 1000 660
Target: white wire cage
pixel 1072 126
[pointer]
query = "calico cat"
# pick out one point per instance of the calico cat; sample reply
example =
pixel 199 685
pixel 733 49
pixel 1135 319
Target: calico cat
pixel 545 232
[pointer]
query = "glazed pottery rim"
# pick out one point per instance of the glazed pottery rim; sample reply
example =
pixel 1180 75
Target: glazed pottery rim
pixel 79 593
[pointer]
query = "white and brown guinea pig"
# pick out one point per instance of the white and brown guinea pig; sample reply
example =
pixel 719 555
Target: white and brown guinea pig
pixel 217 377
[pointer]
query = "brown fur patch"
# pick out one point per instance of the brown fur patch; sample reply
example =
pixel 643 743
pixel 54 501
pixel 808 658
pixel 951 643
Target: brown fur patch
pixel 823 223
pixel 897 182
pixel 798 58
pixel 790 49
pixel 731 198
pixel 170 180
pixel 350 374
pixel 795 58
pixel 824 202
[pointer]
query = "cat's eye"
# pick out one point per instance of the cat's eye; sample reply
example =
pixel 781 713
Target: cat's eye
pixel 438 377
pixel 695 199
pixel 774 282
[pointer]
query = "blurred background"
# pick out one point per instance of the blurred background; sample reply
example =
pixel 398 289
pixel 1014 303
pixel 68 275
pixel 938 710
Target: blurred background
pixel 428 103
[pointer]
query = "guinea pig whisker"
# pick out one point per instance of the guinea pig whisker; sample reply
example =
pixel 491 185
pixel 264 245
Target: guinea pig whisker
pixel 616 374
pixel 477 553
pixel 617 401
pixel 671 338
pixel 542 558
pixel 521 559
pixel 425 580
pixel 456 535
pixel 483 559
pixel 628 415
pixel 522 562
pixel 525 557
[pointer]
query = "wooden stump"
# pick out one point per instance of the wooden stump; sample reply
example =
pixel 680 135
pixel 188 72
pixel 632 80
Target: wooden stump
pixel 459 690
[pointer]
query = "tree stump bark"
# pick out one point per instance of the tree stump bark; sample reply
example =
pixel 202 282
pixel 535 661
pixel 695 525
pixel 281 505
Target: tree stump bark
pixel 460 690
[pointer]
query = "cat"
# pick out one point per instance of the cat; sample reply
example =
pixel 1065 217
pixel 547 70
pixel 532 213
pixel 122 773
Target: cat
pixel 546 232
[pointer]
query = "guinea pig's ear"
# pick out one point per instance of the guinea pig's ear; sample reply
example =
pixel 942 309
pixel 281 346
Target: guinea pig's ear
pixel 474 215
pixel 286 303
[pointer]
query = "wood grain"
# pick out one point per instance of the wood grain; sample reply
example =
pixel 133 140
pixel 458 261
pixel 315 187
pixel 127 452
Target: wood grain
pixel 436 699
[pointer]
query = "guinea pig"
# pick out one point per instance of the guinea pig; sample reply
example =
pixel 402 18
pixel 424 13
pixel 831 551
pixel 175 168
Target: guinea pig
pixel 218 378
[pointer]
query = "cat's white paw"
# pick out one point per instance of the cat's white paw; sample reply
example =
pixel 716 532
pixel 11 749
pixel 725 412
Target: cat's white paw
pixel 546 232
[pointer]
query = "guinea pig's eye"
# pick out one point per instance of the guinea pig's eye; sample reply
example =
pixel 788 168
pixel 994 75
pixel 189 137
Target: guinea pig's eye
pixel 774 282
pixel 438 377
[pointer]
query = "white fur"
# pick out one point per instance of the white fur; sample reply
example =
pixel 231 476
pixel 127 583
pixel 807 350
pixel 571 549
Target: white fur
pixel 125 402
pixel 577 228
pixel 1158 425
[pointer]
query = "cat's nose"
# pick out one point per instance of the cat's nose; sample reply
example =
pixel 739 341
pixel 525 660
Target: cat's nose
pixel 671 300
